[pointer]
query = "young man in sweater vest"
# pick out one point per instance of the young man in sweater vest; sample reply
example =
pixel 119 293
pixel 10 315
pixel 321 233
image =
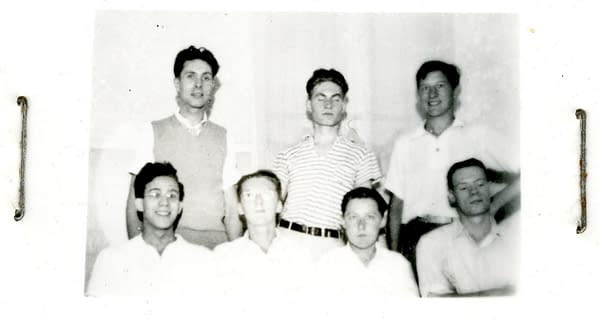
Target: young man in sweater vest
pixel 197 147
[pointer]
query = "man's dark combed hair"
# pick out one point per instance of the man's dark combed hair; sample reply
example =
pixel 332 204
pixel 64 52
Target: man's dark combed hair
pixel 323 75
pixel 149 172
pixel 364 193
pixel 193 53
pixel 472 162
pixel 450 71
pixel 266 174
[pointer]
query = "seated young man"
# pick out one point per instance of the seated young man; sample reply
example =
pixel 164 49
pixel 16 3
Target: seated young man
pixel 362 267
pixel 472 256
pixel 261 261
pixel 157 261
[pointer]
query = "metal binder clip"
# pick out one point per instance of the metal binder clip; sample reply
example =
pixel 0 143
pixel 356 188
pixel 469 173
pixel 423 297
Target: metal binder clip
pixel 582 223
pixel 20 211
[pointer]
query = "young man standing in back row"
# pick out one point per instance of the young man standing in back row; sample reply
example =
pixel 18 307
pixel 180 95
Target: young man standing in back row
pixel 421 158
pixel 198 148
pixel 322 167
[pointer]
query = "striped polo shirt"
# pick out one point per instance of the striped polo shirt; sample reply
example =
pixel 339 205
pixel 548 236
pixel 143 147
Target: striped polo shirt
pixel 316 184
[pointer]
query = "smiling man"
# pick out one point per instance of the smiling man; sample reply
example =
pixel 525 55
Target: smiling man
pixel 473 256
pixel 322 167
pixel 421 157
pixel 362 267
pixel 156 262
pixel 199 149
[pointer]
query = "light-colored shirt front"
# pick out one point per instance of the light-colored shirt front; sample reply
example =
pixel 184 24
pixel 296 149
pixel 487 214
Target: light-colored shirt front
pixel 136 269
pixel 145 146
pixel 419 163
pixel 245 267
pixel 316 184
pixel 388 274
pixel 450 261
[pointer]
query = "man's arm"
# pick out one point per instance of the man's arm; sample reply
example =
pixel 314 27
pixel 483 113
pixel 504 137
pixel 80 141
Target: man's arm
pixel 495 292
pixel 394 223
pixel 233 225
pixel 503 197
pixel 133 223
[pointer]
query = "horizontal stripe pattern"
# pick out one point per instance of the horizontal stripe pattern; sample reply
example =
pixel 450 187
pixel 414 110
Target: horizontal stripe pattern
pixel 316 184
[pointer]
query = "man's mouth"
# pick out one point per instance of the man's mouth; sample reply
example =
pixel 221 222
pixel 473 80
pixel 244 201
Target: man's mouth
pixel 434 103
pixel 163 213
pixel 197 95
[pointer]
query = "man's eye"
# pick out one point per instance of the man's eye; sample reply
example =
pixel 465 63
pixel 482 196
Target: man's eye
pixel 207 78
pixel 153 194
pixel 172 195
pixel 440 85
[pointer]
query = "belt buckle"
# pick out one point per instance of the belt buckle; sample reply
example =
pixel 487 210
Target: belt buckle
pixel 317 232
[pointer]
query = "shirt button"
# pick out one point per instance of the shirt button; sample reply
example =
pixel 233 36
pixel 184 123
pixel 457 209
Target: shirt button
pixel 437 149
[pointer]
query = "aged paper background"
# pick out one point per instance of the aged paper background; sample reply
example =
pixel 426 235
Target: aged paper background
pixel 47 54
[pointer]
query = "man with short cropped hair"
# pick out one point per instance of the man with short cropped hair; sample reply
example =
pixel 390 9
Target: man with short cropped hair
pixel 199 149
pixel 472 256
pixel 362 267
pixel 421 157
pixel 316 172
pixel 157 261
pixel 260 260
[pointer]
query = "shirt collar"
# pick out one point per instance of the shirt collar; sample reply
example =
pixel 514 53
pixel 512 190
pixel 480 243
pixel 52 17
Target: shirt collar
pixel 310 138
pixel 494 233
pixel 422 131
pixel 193 129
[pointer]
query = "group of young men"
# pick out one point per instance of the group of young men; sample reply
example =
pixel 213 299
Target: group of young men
pixel 319 214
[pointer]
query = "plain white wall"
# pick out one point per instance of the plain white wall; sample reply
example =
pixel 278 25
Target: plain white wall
pixel 266 59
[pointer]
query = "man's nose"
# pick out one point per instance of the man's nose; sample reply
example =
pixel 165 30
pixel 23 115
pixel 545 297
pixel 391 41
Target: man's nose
pixel 259 202
pixel 474 190
pixel 362 223
pixel 163 200
pixel 433 92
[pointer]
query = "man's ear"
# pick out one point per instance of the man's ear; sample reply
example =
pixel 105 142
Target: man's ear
pixel 279 206
pixel 180 207
pixel 177 83
pixel 240 209
pixel 139 204
pixel 384 220
pixel 308 106
pixel 451 197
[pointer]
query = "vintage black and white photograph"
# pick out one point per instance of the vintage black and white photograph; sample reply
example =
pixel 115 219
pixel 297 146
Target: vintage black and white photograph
pixel 280 154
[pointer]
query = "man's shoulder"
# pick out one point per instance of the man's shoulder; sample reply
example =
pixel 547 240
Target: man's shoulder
pixel 440 236
pixel 230 247
pixel 334 256
pixel 296 147
pixel 353 146
pixel 164 120
pixel 190 247
pixel 125 249
pixel 216 127
pixel 408 135
pixel 392 257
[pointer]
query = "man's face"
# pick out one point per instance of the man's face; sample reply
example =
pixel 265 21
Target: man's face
pixel 160 204
pixel 259 201
pixel 362 222
pixel 327 104
pixel 195 84
pixel 471 191
pixel 436 95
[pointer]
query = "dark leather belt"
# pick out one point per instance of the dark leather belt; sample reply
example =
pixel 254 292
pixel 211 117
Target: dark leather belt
pixel 314 231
